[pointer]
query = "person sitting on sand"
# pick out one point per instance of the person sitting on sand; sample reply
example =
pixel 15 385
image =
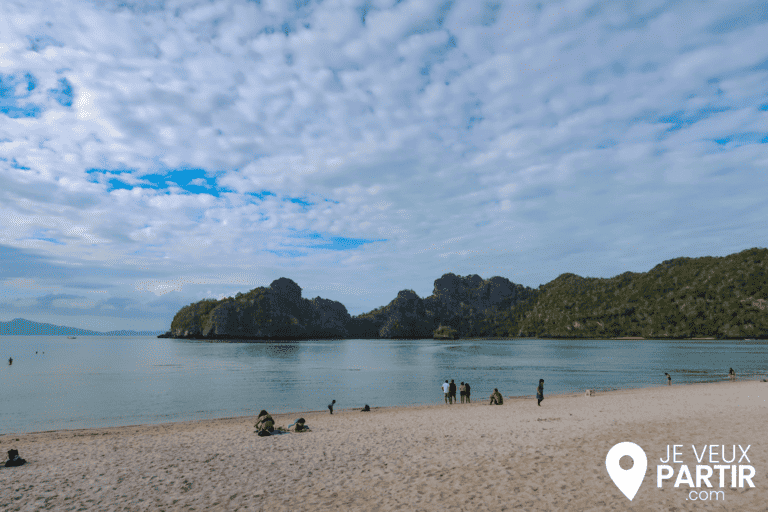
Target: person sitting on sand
pixel 330 406
pixel 14 459
pixel 301 425
pixel 265 424
pixel 540 392
pixel 731 374
pixel 496 398
pixel 367 408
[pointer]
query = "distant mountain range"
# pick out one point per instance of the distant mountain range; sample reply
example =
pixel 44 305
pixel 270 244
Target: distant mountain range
pixel 20 326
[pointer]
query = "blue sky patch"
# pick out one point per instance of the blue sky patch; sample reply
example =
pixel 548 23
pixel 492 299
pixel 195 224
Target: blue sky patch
pixel 193 181
pixel 333 243
pixel 52 240
pixel 13 89
pixel 261 195
pixel 17 165
pixel 288 253
pixel 63 93
pixel 297 200
pixel 679 120
pixel 116 184
pixel 739 139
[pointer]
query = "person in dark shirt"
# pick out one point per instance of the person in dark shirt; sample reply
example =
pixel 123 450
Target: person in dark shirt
pixel 540 392
pixel 301 425
pixel 14 459
pixel 330 406
pixel 466 384
pixel 452 392
pixel 496 398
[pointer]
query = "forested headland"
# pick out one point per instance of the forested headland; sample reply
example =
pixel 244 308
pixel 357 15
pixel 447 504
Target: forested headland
pixel 708 297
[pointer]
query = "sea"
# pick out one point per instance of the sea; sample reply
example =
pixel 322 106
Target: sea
pixel 59 383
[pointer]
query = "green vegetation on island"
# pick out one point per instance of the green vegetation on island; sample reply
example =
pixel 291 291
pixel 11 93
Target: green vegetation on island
pixel 718 297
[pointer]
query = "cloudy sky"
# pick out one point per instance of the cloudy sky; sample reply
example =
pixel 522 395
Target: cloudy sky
pixel 156 152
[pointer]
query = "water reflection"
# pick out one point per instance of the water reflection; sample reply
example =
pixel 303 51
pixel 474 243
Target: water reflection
pixel 94 381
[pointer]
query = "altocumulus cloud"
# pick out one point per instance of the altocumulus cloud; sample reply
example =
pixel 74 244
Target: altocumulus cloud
pixel 179 147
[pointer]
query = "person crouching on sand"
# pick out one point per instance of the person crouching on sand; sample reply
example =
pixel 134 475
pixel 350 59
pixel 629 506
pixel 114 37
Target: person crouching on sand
pixel 301 425
pixel 540 392
pixel 265 425
pixel 496 398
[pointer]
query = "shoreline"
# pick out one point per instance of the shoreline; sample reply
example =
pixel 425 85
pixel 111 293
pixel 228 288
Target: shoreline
pixel 437 404
pixel 423 458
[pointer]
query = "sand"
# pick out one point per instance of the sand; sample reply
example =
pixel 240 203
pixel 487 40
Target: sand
pixel 460 457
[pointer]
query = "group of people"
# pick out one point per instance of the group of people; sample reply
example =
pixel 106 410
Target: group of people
pixel 265 426
pixel 449 391
pixel 731 376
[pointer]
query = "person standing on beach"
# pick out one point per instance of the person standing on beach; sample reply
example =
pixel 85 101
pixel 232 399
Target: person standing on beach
pixel 463 392
pixel 446 390
pixel 330 406
pixel 452 392
pixel 10 360
pixel 731 374
pixel 540 392
pixel 466 385
pixel 669 379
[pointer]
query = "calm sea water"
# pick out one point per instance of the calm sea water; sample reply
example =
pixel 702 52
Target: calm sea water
pixel 58 383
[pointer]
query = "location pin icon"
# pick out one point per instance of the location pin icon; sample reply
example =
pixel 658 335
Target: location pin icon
pixel 627 480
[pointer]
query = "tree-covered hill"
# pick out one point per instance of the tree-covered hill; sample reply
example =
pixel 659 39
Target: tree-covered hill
pixel 721 297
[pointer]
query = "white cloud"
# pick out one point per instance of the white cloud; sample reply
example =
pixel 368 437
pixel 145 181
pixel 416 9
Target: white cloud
pixel 551 132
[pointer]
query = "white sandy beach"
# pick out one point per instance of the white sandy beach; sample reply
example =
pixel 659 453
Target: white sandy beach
pixel 461 457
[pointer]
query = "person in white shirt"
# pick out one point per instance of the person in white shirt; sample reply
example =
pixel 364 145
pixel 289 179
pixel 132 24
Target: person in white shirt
pixel 446 390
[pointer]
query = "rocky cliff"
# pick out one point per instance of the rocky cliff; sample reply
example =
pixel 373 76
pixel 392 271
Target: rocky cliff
pixel 720 297
pixel 276 312
pixel 465 304
pixel 279 312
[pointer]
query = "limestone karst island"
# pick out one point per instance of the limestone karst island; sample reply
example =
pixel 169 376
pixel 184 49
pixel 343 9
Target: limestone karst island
pixel 709 297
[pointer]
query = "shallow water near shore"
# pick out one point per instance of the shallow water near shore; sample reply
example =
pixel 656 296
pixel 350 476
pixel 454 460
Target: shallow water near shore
pixel 92 381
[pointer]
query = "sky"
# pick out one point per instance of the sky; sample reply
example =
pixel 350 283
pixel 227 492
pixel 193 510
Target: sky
pixel 157 152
